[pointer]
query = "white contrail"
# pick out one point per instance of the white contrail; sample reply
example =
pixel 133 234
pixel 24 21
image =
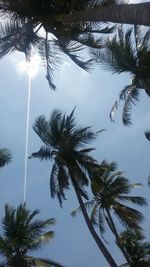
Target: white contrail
pixel 27 138
pixel 31 69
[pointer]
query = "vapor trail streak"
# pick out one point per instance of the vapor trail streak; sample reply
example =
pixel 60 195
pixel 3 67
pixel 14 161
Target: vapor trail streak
pixel 27 138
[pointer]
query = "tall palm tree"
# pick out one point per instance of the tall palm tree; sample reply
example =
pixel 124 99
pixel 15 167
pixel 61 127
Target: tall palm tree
pixel 22 234
pixel 5 156
pixel 137 249
pixel 21 32
pixel 66 145
pixel 120 55
pixel 136 14
pixel 111 189
pixel 75 11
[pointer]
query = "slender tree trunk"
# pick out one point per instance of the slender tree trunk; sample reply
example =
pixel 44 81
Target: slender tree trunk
pixel 98 241
pixel 114 230
pixel 138 14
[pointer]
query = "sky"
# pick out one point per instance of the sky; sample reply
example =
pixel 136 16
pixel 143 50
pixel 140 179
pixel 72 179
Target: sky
pixel 93 94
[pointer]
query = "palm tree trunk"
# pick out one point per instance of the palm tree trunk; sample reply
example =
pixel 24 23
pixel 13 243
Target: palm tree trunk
pixel 98 241
pixel 114 230
pixel 138 14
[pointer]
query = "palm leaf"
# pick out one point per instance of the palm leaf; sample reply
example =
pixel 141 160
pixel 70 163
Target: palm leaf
pixel 63 183
pixel 130 95
pixel 5 156
pixel 43 154
pixel 70 49
pixel 88 205
pixel 140 201
pixel 50 58
pixel 46 237
pixel 53 181
pixel 129 217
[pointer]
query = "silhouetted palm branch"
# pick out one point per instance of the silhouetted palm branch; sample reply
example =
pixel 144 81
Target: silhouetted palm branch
pixel 21 31
pixel 5 156
pixel 127 52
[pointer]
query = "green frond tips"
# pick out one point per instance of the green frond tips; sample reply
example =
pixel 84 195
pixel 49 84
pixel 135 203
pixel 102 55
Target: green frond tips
pixel 5 156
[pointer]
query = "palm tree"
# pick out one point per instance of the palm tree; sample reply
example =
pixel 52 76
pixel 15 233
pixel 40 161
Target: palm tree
pixel 23 234
pixel 111 189
pixel 122 55
pixel 137 249
pixel 21 32
pixel 75 11
pixel 69 26
pixel 5 156
pixel 110 11
pixel 65 144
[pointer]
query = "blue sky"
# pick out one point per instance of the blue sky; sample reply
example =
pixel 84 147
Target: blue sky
pixel 94 95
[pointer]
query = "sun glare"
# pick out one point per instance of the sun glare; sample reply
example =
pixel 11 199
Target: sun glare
pixel 30 68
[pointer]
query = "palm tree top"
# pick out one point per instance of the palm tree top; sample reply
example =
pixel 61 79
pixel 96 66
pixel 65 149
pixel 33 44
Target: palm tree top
pixel 21 32
pixel 137 248
pixel 23 234
pixel 62 134
pixel 65 144
pixel 111 191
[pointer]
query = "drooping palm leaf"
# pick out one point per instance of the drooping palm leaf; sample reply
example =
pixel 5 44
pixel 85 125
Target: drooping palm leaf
pixel 128 51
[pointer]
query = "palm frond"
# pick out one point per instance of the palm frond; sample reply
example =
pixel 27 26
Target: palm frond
pixel 42 129
pixel 88 205
pixel 44 153
pixel 113 111
pixel 89 40
pixel 53 181
pixel 130 95
pixel 129 217
pixel 5 156
pixel 63 183
pixel 140 201
pixel 70 49
pixel 118 55
pixel 18 35
pixel 83 193
pixel 94 215
pixel 46 237
pixel 91 29
pixel 50 58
